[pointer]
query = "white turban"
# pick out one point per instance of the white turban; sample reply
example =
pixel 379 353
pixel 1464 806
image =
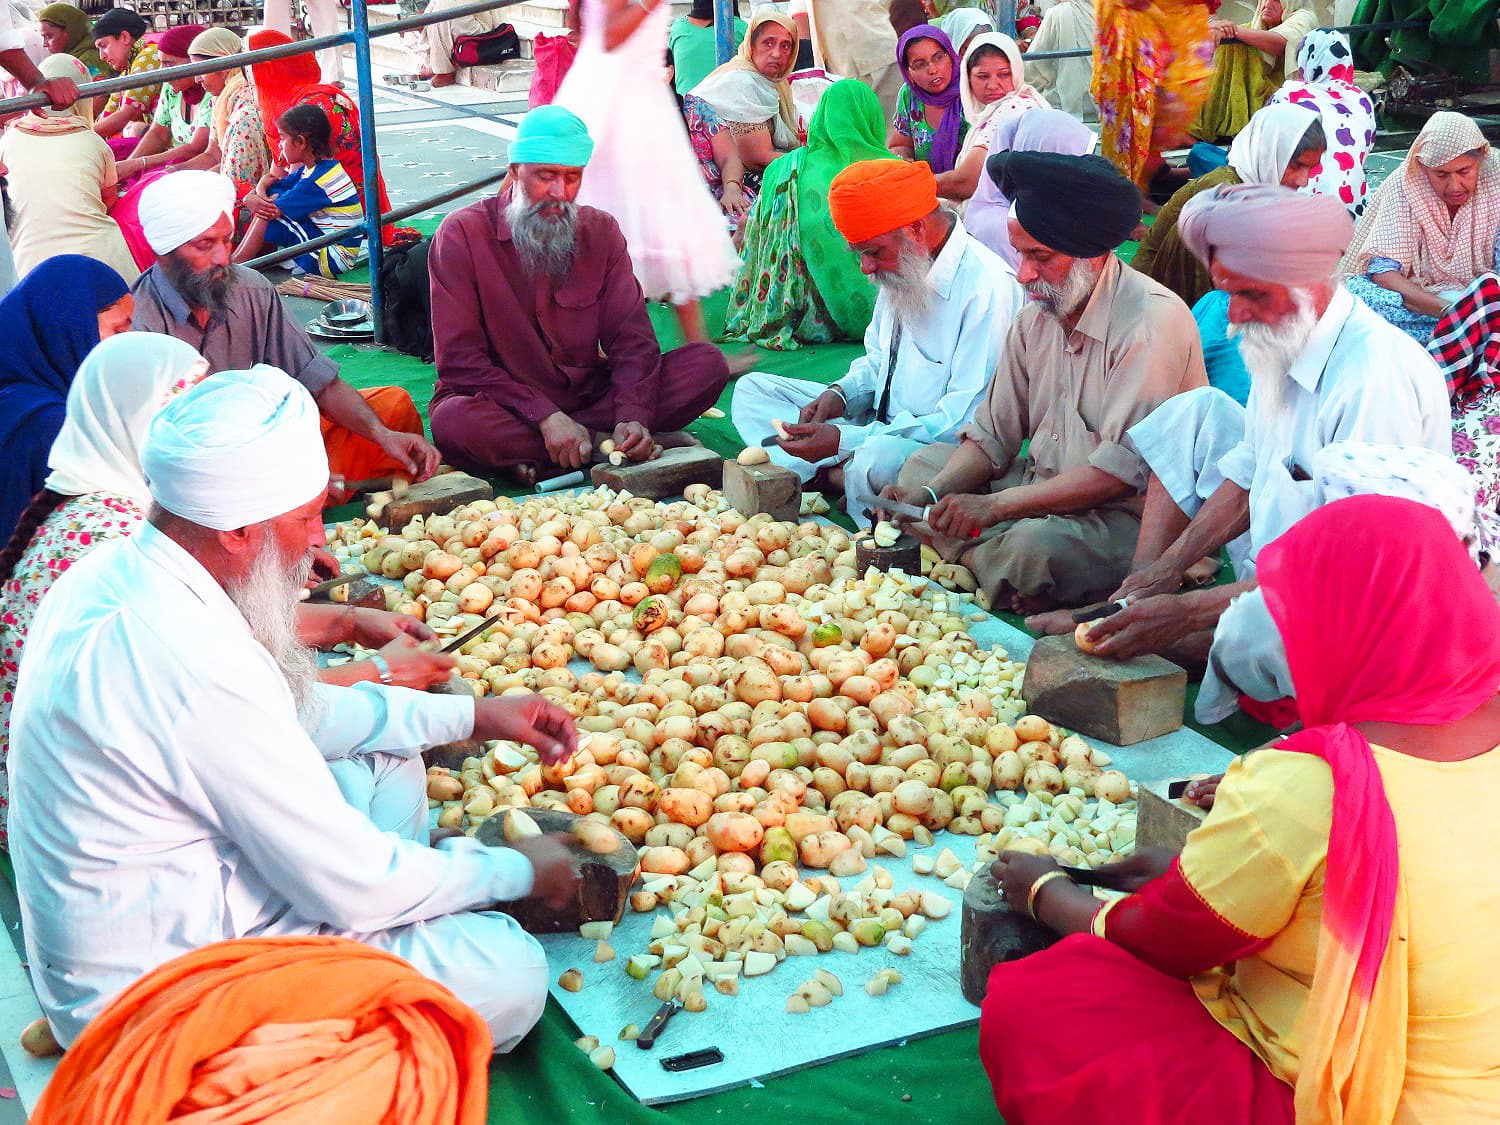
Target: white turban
pixel 240 448
pixel 178 208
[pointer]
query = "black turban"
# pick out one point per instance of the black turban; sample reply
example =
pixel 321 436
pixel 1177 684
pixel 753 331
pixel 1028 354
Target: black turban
pixel 1077 205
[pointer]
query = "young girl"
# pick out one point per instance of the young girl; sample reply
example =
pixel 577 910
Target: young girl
pixel 304 197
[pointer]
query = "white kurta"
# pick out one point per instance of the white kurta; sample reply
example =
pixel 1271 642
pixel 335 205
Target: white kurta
pixel 164 796
pixel 942 365
pixel 1068 26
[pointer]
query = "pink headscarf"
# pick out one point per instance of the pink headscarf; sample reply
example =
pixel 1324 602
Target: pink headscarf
pixel 1385 619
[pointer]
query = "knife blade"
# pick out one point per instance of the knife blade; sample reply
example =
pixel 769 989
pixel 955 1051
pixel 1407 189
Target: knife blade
pixel 770 442
pixel 468 635
pixel 647 1038
pixel 1099 612
pixel 896 508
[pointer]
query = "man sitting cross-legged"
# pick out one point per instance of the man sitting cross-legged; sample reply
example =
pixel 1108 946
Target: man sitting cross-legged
pixel 543 345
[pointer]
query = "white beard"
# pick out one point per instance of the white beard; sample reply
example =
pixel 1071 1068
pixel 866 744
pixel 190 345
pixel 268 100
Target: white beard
pixel 1064 300
pixel 267 598
pixel 1268 351
pixel 545 245
pixel 906 287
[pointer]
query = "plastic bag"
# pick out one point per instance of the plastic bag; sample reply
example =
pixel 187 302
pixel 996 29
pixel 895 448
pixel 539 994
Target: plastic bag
pixel 554 55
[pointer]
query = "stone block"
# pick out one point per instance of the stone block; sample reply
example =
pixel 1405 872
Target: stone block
pixel 435 496
pixel 1118 701
pixel 991 933
pixel 668 475
pixel 768 488
pixel 1164 821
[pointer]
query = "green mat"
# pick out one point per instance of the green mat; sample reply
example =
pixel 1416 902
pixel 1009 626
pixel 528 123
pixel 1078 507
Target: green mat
pixel 547 1079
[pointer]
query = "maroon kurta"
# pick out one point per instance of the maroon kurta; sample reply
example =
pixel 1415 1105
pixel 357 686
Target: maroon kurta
pixel 513 347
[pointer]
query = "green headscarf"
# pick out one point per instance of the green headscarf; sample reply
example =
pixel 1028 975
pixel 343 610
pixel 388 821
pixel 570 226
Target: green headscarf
pixel 846 127
pixel 80 31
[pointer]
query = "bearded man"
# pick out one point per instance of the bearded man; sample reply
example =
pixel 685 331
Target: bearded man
pixel 1097 348
pixel 196 807
pixel 1324 369
pixel 235 318
pixel 544 348
pixel 944 305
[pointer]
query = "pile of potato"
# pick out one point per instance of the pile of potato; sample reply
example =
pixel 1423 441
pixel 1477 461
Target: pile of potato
pixel 790 714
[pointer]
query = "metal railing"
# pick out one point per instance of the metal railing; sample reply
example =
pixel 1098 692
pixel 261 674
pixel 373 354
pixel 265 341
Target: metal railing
pixel 359 34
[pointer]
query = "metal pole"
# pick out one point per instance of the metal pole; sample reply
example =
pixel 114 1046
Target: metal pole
pixel 723 30
pixel 360 17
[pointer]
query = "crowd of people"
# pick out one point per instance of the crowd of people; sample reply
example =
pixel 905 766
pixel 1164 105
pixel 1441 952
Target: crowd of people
pixel 1099 374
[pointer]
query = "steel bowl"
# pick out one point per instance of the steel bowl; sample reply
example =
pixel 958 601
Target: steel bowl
pixel 349 311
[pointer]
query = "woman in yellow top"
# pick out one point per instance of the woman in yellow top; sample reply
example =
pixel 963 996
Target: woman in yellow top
pixel 1251 63
pixel 1318 951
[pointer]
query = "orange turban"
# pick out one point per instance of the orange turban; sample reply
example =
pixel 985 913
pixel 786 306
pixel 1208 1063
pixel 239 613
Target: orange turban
pixel 277 1029
pixel 874 197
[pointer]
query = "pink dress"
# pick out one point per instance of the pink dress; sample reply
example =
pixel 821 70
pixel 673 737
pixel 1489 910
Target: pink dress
pixel 78 525
pixel 643 170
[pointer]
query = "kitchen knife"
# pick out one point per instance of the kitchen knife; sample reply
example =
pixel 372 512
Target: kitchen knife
pixel 647 1038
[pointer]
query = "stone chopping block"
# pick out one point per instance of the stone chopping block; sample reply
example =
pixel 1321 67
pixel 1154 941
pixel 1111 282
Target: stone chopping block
pixel 905 555
pixel 604 881
pixel 767 487
pixel 1118 701
pixel 1162 820
pixel 991 933
pixel 668 475
pixel 434 496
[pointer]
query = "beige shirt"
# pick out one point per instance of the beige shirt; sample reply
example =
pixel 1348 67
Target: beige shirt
pixel 852 38
pixel 56 187
pixel 1075 394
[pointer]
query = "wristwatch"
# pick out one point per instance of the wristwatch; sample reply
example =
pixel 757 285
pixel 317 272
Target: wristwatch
pixel 383 667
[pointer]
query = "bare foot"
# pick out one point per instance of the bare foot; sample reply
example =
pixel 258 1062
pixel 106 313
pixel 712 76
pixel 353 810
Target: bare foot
pixel 527 473
pixel 1053 624
pixel 741 362
pixel 441 80
pixel 1031 605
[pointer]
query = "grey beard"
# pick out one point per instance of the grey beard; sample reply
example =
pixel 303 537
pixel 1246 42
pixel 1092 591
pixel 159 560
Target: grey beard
pixel 267 598
pixel 1064 300
pixel 545 243
pixel 1268 352
pixel 906 287
pixel 208 290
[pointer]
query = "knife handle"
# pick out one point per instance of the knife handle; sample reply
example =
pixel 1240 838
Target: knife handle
pixel 647 1038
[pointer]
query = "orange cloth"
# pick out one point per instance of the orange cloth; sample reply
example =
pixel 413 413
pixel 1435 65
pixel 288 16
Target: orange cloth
pixel 874 197
pixel 358 458
pixel 296 1030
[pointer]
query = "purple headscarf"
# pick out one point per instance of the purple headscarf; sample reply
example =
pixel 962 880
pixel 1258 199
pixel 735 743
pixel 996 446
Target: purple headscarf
pixel 1036 130
pixel 949 136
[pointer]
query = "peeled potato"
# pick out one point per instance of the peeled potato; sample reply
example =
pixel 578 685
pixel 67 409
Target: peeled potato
pixel 1081 638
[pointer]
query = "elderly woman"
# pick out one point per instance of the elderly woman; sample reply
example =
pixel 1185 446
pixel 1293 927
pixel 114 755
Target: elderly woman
pixel 62 183
pixel 1283 144
pixel 1310 954
pixel 67 30
pixel 751 95
pixel 1325 83
pixel 1250 63
pixel 929 122
pixel 799 283
pixel 987 217
pixel 1431 227
pixel 238 139
pixel 49 322
pixel 994 90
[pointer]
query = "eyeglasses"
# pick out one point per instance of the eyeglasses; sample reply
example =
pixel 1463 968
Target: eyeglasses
pixel 923 66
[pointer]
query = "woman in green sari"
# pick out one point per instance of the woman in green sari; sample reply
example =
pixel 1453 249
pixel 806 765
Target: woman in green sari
pixel 799 283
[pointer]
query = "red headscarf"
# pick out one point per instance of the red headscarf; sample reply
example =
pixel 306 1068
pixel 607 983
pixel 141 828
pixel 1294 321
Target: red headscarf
pixel 283 83
pixel 1385 619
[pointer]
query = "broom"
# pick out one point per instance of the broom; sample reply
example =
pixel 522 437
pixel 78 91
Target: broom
pixel 321 289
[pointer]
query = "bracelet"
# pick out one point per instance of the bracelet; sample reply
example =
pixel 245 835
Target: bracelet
pixel 384 669
pixel 932 492
pixel 1096 924
pixel 736 183
pixel 1036 887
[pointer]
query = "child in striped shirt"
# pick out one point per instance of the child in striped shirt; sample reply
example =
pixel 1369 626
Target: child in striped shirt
pixel 305 197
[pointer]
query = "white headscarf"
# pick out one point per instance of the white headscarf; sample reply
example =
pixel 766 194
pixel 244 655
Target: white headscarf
pixel 961 23
pixel 179 208
pixel 119 387
pixel 1265 146
pixel 1022 98
pixel 240 448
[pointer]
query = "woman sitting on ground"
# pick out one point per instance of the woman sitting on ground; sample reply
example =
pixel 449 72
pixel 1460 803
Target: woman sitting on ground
pixel 238 139
pixel 799 284
pixel 1431 229
pixel 1310 955
pixel 752 97
pixel 1325 83
pixel 1282 144
pixel 1250 63
pixel 929 121
pixel 718 158
pixel 62 183
pixel 180 128
pixel 307 196
pixel 49 322
pixel 987 217
pixel 994 90
pixel 96 492
pixel 67 30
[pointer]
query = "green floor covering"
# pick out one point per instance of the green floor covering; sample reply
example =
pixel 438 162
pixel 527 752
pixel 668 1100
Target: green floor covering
pixel 546 1079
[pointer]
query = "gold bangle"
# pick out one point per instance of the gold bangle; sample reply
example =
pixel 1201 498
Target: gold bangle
pixel 1101 916
pixel 1036 887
